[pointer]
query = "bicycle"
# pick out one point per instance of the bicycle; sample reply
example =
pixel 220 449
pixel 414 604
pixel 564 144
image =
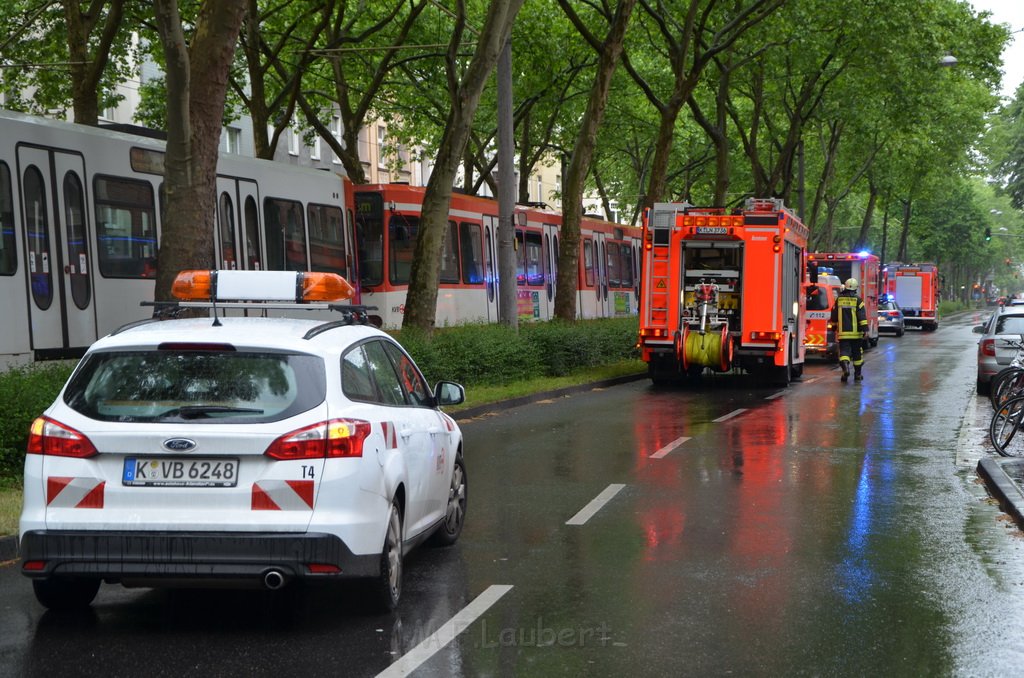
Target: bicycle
pixel 1009 381
pixel 1006 422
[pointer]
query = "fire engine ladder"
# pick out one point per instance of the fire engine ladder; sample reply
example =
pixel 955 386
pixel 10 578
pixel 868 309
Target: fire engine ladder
pixel 663 221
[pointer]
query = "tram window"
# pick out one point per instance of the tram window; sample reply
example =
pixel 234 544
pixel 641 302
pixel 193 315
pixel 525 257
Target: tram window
pixel 228 249
pixel 530 259
pixel 450 255
pixel 37 228
pixel 286 235
pixel 472 247
pixel 252 235
pixel 370 238
pixel 626 272
pixel 490 265
pixel 327 240
pixel 402 232
pixel 74 220
pixel 613 264
pixel 125 228
pixel 8 255
pixel 588 262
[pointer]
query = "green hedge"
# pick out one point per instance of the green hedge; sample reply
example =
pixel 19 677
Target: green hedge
pixel 24 393
pixel 469 354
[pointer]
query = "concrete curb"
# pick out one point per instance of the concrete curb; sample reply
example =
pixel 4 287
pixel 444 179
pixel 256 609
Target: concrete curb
pixel 463 415
pixel 1002 486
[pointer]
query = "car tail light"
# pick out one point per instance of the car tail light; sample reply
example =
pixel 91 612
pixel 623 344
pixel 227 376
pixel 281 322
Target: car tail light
pixel 334 438
pixel 894 314
pixel 49 437
pixel 987 347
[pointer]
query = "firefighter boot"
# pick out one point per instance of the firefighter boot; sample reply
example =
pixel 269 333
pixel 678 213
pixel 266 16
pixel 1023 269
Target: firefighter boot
pixel 857 376
pixel 846 370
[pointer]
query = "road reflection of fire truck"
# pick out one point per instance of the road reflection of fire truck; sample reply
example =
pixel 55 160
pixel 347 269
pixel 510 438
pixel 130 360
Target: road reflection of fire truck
pixel 916 289
pixel 861 266
pixel 722 290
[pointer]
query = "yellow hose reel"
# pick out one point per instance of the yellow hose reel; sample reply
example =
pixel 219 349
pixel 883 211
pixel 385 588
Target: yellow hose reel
pixel 712 349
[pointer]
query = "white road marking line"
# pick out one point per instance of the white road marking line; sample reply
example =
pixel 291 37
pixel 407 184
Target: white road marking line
pixel 411 660
pixel 810 381
pixel 726 417
pixel 668 448
pixel 588 511
pixel 775 395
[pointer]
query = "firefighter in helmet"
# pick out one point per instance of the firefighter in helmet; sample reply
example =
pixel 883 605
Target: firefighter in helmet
pixel 851 325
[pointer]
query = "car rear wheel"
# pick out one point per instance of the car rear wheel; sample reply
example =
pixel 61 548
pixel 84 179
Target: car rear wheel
pixel 386 589
pixel 455 513
pixel 65 593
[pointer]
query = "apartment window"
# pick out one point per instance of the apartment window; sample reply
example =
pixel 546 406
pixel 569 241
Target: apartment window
pixel 314 150
pixel 233 140
pixel 381 132
pixel 293 142
pixel 336 133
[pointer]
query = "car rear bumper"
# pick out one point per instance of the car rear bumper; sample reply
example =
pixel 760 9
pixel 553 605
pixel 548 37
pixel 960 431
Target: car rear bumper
pixel 152 558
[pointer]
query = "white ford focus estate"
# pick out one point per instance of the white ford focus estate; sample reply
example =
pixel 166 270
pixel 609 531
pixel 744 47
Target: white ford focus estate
pixel 229 449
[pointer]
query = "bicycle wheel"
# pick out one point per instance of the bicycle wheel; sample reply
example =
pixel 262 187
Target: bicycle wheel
pixel 1002 430
pixel 1006 384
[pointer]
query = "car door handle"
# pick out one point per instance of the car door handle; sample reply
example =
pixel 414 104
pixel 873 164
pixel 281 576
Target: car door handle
pixel 435 430
pixel 406 432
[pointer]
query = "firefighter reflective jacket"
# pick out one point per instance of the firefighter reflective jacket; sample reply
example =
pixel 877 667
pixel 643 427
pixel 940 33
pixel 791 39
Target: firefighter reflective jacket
pixel 848 316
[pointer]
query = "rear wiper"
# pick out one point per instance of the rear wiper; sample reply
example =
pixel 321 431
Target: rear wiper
pixel 196 411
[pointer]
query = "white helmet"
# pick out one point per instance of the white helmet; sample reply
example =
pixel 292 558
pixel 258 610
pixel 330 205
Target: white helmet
pixel 851 284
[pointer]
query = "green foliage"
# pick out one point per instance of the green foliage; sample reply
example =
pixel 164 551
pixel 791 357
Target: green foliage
pixel 495 354
pixel 24 393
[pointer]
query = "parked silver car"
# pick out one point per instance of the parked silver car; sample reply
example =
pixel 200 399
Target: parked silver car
pixel 1001 335
pixel 890 316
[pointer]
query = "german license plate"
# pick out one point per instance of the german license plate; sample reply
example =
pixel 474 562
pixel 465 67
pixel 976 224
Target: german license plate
pixel 164 472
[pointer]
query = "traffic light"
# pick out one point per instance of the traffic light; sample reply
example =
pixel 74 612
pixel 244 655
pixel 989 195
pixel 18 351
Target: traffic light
pixel 988 233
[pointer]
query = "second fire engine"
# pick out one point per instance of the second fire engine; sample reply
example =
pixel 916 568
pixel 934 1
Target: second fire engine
pixel 723 290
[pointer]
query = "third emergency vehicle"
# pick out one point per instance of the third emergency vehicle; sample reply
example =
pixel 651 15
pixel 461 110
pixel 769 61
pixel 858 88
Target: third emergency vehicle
pixel 862 267
pixel 916 289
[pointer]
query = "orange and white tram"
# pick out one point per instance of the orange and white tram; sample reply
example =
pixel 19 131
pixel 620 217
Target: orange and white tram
pixel 387 219
pixel 80 220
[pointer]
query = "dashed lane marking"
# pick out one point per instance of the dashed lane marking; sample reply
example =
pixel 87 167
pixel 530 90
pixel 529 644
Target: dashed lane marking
pixel 588 511
pixel 412 659
pixel 727 417
pixel 668 448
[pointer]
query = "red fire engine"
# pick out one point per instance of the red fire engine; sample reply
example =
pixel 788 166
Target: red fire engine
pixel 722 290
pixel 863 267
pixel 916 289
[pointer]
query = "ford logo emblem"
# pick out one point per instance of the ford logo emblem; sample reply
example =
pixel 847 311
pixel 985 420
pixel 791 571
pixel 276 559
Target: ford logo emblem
pixel 180 444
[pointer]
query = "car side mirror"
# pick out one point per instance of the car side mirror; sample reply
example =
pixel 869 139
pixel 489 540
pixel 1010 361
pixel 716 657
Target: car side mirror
pixel 980 329
pixel 449 393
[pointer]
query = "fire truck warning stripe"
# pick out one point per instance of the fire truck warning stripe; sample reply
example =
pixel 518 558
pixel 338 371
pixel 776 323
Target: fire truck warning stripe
pixel 65 492
pixel 588 511
pixel 668 448
pixel 727 417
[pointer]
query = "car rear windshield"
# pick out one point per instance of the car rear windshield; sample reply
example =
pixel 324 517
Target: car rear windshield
pixel 1010 324
pixel 206 387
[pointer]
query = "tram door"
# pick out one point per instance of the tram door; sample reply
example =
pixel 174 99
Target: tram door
pixel 604 303
pixel 59 265
pixel 550 254
pixel 491 267
pixel 237 243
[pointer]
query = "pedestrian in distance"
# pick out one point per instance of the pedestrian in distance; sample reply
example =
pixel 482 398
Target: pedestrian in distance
pixel 851 326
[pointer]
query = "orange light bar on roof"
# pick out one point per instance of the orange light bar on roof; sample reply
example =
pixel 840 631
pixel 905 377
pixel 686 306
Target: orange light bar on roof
pixel 288 286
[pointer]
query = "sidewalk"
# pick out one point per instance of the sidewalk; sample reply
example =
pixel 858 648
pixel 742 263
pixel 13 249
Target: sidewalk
pixel 1003 476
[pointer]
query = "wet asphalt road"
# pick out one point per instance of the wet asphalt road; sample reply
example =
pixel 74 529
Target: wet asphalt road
pixel 823 529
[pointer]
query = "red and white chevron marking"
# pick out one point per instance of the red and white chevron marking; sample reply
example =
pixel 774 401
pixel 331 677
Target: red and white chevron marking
pixel 282 495
pixel 64 492
pixel 390 434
